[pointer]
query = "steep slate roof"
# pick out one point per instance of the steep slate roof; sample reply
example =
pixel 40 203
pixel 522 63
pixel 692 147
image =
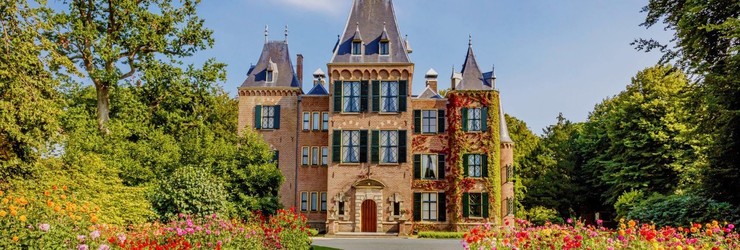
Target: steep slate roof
pixel 369 17
pixel 274 55
pixel 503 128
pixel 318 89
pixel 472 77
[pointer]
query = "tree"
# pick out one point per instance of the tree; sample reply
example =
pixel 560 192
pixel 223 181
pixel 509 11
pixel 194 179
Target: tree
pixel 707 41
pixel 29 103
pixel 111 40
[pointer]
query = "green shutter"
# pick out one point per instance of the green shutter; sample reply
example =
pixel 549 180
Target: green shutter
pixel 466 205
pixel 402 146
pixel 402 95
pixel 337 96
pixel 364 88
pixel 441 121
pixel 464 119
pixel 486 204
pixel 277 117
pixel 441 166
pixel 442 207
pixel 336 146
pixel 484 165
pixel 417 121
pixel 417 206
pixel 363 146
pixel 375 146
pixel 376 96
pixel 276 158
pixel 465 165
pixel 417 166
pixel 484 119
pixel 258 117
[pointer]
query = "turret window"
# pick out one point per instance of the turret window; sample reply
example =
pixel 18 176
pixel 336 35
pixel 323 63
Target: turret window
pixel 269 76
pixel 384 48
pixel 356 48
pixel 474 119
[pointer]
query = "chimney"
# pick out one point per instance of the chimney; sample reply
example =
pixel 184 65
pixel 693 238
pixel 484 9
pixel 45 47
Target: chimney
pixel 299 68
pixel 431 79
pixel 318 77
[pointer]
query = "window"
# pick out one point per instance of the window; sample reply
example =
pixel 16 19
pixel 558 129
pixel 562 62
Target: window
pixel 509 173
pixel 429 166
pixel 384 47
pixel 269 76
pixel 314 201
pixel 396 208
pixel 306 121
pixel 325 121
pixel 510 206
pixel 341 208
pixel 474 165
pixel 315 156
pixel 356 47
pixel 475 204
pixel 304 158
pixel 316 121
pixel 325 156
pixel 474 119
pixel 304 201
pixel 388 146
pixel 268 117
pixel 351 96
pixel 389 96
pixel 429 206
pixel 276 157
pixel 323 201
pixel 429 121
pixel 351 146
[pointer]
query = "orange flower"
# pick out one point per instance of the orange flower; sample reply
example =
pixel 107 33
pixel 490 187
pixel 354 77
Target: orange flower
pixel 15 238
pixel 49 203
pixel 57 208
pixel 64 187
pixel 22 218
pixel 13 212
pixel 47 193
pixel 632 223
pixel 64 197
pixel 3 213
pixel 2 193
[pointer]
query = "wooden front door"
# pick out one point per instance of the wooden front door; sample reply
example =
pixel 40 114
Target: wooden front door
pixel 369 216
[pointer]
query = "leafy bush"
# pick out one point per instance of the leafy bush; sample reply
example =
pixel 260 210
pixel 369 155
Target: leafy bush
pixel 676 210
pixel 313 232
pixel 540 215
pixel 441 235
pixel 627 201
pixel 190 190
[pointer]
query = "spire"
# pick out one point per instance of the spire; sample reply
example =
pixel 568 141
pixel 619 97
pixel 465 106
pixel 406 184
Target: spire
pixel 503 128
pixel 357 37
pixel 286 33
pixel 367 17
pixel 470 40
pixel 384 35
pixel 266 33
pixel 472 77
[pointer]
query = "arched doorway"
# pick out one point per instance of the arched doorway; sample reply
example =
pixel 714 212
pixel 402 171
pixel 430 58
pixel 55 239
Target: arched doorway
pixel 369 216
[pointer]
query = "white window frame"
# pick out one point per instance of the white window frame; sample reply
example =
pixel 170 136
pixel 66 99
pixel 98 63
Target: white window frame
pixel 315 156
pixel 426 159
pixel 324 156
pixel 314 201
pixel 268 117
pixel 389 102
pixel 323 202
pixel 325 121
pixel 475 119
pixel 475 165
pixel 429 206
pixel 429 121
pixel 304 201
pixel 305 156
pixel 388 149
pixel 350 149
pixel 351 91
pixel 316 123
pixel 479 204
pixel 306 121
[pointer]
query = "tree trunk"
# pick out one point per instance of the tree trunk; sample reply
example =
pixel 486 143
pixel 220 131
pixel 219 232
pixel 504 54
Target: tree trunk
pixel 103 108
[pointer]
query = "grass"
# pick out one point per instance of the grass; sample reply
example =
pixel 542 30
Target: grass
pixel 441 235
pixel 315 247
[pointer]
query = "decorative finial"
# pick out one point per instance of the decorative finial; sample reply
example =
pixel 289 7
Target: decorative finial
pixel 493 71
pixel 286 33
pixel 470 40
pixel 383 25
pixel 266 33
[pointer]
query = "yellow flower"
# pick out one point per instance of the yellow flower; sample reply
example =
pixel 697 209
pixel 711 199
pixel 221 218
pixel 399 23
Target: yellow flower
pixel 3 213
pixel 22 218
pixel 689 248
pixel 679 248
pixel 15 238
pixel 5 200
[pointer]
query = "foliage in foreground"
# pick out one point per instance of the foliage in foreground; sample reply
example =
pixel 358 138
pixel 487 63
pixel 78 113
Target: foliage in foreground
pixel 54 221
pixel 629 235
pixel 440 235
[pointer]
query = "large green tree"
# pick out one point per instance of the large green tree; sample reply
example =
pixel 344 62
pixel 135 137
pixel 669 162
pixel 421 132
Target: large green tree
pixel 706 42
pixel 112 40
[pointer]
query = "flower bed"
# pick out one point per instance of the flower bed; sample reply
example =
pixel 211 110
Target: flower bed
pixel 54 221
pixel 629 235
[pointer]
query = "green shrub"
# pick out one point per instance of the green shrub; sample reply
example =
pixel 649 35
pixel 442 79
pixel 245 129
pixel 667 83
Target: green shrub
pixel 680 210
pixel 628 201
pixel 539 215
pixel 190 190
pixel 313 232
pixel 441 235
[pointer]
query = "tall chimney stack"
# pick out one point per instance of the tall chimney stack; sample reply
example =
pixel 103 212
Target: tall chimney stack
pixel 299 68
pixel 431 79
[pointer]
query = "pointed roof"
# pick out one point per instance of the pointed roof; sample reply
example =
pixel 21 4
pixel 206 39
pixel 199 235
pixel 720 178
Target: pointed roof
pixel 319 72
pixel 275 56
pixel 357 36
pixel 472 77
pixel 428 93
pixel 503 128
pixel 318 89
pixel 431 73
pixel 367 18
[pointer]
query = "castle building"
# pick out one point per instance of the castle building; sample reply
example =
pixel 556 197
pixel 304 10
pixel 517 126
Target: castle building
pixel 360 153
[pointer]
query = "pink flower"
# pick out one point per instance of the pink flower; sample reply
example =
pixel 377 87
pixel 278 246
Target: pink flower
pixel 103 247
pixel 730 226
pixel 82 246
pixel 44 227
pixel 570 220
pixel 94 234
pixel 599 222
pixel 121 238
pixel 81 238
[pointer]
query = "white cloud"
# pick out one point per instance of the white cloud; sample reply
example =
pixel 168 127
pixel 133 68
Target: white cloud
pixel 331 7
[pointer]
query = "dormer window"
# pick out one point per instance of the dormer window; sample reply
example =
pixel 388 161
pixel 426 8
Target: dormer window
pixel 269 76
pixel 356 47
pixel 384 48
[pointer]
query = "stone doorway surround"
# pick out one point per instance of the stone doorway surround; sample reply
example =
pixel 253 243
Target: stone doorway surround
pixel 368 189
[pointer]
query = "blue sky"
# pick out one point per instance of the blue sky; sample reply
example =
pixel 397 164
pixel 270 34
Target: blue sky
pixel 550 56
